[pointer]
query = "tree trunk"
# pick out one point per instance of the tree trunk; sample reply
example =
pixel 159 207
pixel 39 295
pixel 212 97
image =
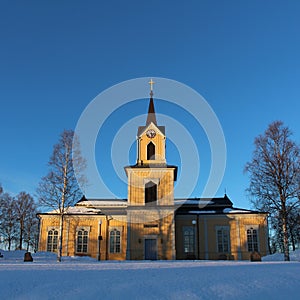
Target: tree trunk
pixel 28 238
pixel 62 210
pixel 60 240
pixel 292 239
pixel 285 238
pixel 21 234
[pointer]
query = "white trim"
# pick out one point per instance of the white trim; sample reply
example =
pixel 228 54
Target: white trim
pixel 151 126
pixel 83 228
pixel 115 228
pixel 52 228
pixel 86 228
pixel 223 228
pixel 190 229
pixel 154 180
pixel 252 227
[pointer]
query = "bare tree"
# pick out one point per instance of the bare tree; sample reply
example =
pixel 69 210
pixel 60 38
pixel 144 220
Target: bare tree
pixel 25 211
pixel 294 227
pixel 8 228
pixel 31 232
pixel 59 189
pixel 275 176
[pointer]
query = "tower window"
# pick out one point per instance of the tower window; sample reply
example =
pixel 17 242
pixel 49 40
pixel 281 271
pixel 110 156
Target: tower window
pixel 150 151
pixel 150 192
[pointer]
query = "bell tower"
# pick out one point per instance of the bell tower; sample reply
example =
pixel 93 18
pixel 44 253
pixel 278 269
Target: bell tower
pixel 151 140
pixel 150 212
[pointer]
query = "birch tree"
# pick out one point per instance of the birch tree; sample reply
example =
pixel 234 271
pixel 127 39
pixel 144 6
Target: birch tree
pixel 275 176
pixel 59 189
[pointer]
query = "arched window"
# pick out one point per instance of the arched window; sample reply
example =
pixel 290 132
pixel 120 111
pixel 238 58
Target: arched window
pixel 189 239
pixel 115 241
pixel 82 241
pixel 52 240
pixel 150 151
pixel 223 238
pixel 252 239
pixel 150 192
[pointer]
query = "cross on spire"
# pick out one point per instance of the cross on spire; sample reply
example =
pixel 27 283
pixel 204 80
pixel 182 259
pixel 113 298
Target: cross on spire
pixel 151 82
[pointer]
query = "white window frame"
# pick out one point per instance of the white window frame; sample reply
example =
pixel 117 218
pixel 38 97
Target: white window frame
pixel 223 229
pixel 84 229
pixel 253 227
pixel 52 228
pixel 191 246
pixel 113 248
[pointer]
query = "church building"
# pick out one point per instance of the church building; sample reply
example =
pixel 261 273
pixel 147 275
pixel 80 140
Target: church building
pixel 150 224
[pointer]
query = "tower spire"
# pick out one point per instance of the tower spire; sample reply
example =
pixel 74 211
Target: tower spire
pixel 151 111
pixel 151 82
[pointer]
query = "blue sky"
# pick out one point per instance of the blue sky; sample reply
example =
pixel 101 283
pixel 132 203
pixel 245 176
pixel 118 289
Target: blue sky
pixel 56 56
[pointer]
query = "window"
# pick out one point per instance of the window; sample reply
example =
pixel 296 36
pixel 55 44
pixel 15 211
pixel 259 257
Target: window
pixel 52 240
pixel 223 239
pixel 82 240
pixel 115 241
pixel 188 239
pixel 150 192
pixel 150 151
pixel 252 239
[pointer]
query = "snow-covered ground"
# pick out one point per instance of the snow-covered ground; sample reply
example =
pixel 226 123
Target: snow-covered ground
pixel 85 278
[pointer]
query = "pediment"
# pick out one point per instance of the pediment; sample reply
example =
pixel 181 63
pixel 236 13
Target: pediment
pixel 158 129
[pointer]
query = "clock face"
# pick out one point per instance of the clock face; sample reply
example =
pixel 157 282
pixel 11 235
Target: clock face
pixel 151 133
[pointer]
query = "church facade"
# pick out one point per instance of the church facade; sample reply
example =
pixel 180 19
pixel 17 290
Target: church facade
pixel 150 224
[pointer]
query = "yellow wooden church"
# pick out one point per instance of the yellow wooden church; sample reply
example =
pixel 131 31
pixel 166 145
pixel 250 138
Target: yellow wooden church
pixel 151 224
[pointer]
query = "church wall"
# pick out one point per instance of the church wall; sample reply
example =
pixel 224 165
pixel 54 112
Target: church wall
pixel 146 224
pixel 258 221
pixel 205 229
pixel 90 223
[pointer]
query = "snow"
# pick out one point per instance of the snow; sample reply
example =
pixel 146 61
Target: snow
pixel 101 203
pixel 235 211
pixel 201 203
pixel 83 277
pixel 199 212
pixel 294 256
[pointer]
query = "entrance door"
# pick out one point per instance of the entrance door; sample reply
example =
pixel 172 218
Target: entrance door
pixel 150 249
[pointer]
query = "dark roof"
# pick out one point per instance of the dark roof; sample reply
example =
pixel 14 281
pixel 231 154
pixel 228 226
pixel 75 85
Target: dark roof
pixel 188 206
pixel 217 205
pixel 83 198
pixel 151 118
pixel 151 113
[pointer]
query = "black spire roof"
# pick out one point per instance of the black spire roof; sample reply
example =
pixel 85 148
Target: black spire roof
pixel 151 113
